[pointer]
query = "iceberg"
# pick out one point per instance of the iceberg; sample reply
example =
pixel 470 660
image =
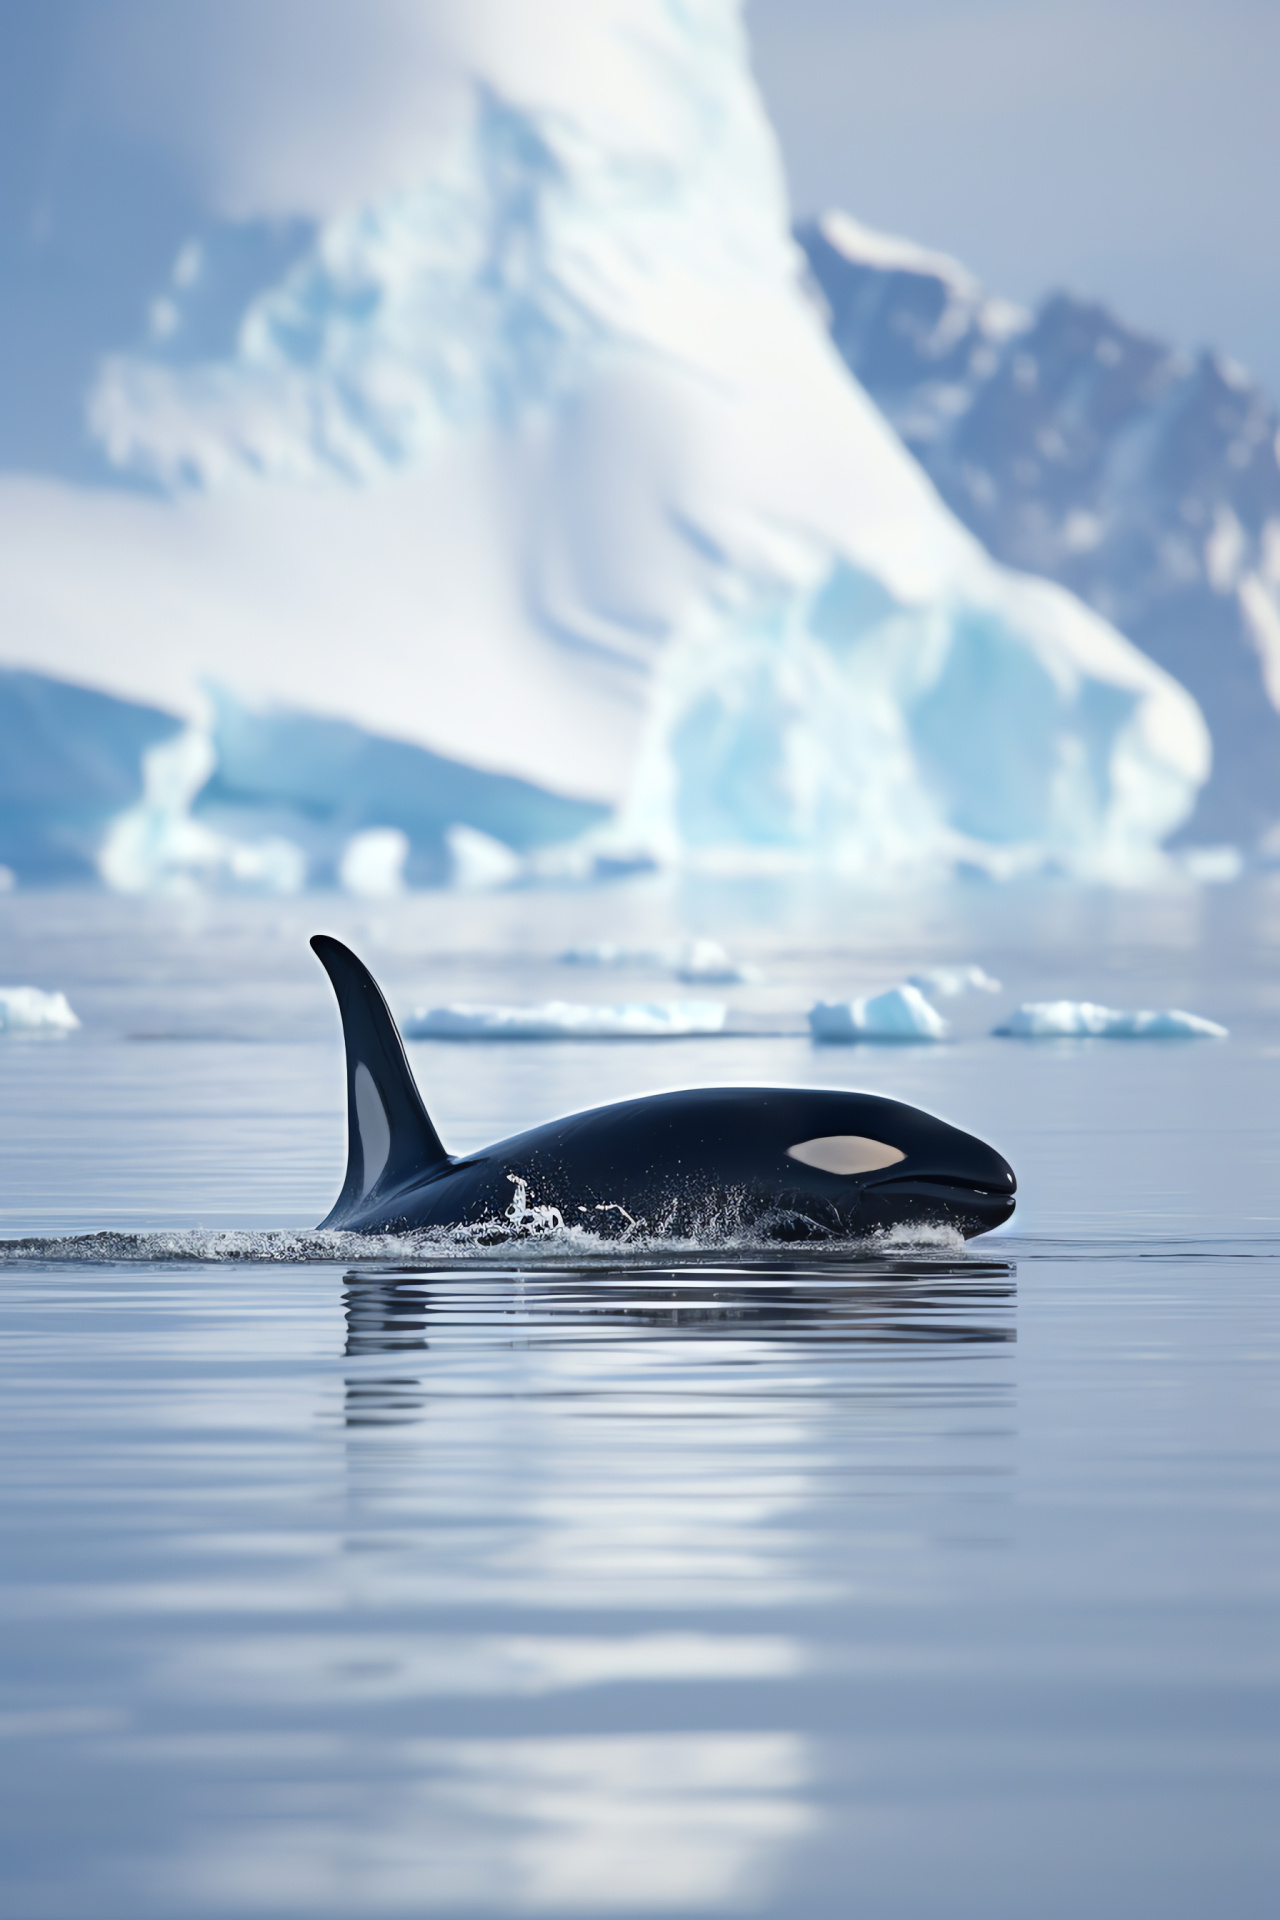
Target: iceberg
pixel 479 861
pixel 900 1014
pixel 29 1010
pixel 524 452
pixel 71 763
pixel 372 863
pixel 256 799
pixel 158 846
pixel 372 813
pixel 567 1020
pixel 1054 1019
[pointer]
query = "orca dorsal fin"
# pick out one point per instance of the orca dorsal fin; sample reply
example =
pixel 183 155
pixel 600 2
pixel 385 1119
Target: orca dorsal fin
pixel 390 1137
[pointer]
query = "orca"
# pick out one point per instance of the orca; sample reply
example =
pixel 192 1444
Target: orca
pixel 778 1163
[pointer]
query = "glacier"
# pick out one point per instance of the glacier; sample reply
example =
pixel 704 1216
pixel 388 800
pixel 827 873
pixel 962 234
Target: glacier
pixel 515 489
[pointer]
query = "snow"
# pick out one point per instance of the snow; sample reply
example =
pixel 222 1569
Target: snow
pixel 566 1020
pixel 534 457
pixel 892 253
pixel 29 1010
pixel 900 1014
pixel 1052 1019
pixel 1082 449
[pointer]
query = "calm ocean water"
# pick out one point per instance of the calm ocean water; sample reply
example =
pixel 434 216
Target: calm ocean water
pixel 917 1586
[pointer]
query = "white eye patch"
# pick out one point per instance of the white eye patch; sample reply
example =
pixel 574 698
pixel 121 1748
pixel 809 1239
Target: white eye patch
pixel 844 1153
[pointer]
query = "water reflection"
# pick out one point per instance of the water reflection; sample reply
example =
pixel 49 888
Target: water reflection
pixel 576 1825
pixel 620 1507
pixel 530 1592
pixel 601 1559
pixel 898 1303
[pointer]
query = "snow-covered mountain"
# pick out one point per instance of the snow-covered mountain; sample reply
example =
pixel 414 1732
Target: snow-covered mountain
pixel 489 468
pixel 1144 479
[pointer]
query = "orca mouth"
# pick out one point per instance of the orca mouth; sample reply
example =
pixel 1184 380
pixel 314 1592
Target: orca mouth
pixel 972 1206
pixel 950 1182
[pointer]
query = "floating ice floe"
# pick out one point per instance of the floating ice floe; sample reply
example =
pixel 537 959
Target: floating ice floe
pixel 29 1010
pixel 704 962
pixel 902 1013
pixel 949 982
pixel 1051 1019
pixel 567 1020
pixel 610 953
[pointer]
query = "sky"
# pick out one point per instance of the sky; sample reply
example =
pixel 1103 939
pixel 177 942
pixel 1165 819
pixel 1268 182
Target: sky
pixel 1127 150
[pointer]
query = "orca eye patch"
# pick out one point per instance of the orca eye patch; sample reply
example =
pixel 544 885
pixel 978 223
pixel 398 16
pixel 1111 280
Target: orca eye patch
pixel 845 1153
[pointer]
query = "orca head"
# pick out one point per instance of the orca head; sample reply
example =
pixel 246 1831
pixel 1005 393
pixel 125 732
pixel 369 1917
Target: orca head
pixel 884 1164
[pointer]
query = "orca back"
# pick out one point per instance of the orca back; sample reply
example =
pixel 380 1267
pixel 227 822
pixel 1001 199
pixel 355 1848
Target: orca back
pixel 390 1138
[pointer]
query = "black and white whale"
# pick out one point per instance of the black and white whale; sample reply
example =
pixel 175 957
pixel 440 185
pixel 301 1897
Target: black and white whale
pixel 785 1163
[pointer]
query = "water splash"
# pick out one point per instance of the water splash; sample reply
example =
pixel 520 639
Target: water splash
pixel 527 1219
pixel 526 1236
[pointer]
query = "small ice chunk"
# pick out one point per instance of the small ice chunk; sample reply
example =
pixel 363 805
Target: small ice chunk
pixel 566 1020
pixel 1051 1019
pixel 702 962
pixel 28 1010
pixel 608 953
pixel 707 961
pixel 902 1013
pixel 949 982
